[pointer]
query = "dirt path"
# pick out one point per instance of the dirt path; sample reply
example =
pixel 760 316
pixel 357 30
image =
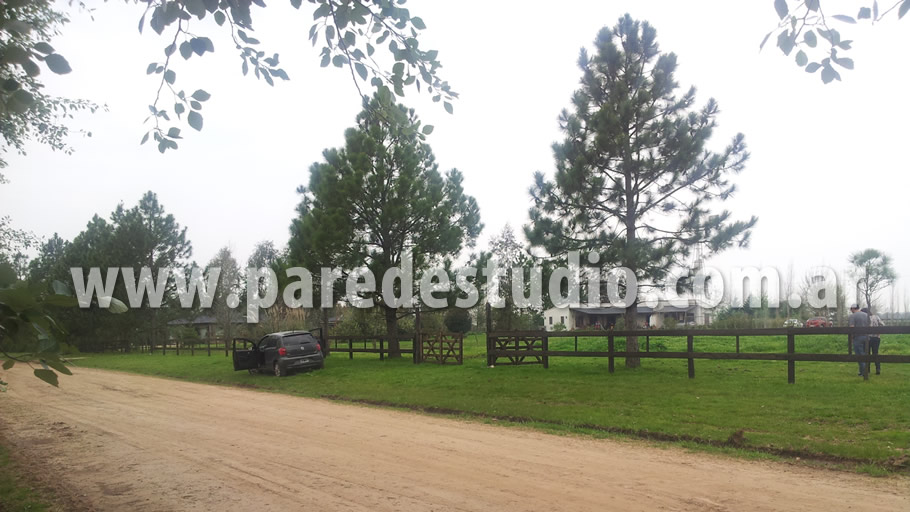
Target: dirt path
pixel 114 441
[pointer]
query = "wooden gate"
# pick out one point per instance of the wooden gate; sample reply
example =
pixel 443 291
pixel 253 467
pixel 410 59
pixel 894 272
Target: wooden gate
pixel 442 348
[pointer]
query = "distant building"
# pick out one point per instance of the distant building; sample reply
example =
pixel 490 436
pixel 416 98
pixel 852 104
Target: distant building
pixel 592 317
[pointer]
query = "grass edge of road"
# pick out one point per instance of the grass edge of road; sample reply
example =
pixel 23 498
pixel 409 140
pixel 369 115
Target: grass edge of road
pixel 17 492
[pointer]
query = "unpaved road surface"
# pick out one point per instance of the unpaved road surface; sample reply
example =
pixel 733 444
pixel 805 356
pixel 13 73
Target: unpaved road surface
pixel 114 441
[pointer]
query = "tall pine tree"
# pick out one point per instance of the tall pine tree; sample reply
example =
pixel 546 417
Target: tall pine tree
pixel 379 197
pixel 634 181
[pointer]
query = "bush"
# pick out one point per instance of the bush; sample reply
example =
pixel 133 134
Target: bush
pixel 670 323
pixel 458 320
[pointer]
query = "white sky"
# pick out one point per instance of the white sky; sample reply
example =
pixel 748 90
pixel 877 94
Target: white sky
pixel 827 175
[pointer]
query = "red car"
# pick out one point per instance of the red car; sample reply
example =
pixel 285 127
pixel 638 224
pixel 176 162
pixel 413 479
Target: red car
pixel 818 321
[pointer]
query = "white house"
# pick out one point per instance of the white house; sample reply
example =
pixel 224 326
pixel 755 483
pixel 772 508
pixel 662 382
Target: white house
pixel 594 317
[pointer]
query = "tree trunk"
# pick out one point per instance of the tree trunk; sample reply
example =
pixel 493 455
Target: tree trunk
pixel 391 324
pixel 632 341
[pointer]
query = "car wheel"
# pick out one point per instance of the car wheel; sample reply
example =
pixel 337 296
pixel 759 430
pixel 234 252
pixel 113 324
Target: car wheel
pixel 279 371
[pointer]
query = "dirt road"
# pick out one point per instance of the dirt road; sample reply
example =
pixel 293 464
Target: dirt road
pixel 113 441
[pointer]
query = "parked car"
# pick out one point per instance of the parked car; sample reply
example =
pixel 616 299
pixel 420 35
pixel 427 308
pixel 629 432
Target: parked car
pixel 279 353
pixel 793 322
pixel 819 321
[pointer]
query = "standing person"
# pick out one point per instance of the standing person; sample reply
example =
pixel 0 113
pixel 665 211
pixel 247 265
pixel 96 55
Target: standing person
pixel 859 319
pixel 875 340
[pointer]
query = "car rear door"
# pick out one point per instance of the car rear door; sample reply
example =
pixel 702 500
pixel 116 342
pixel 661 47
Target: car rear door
pixel 268 346
pixel 245 354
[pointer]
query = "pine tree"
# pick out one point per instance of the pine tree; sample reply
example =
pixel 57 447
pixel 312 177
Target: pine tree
pixel 379 197
pixel 634 181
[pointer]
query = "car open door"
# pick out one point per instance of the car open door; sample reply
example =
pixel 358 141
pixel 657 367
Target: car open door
pixel 246 354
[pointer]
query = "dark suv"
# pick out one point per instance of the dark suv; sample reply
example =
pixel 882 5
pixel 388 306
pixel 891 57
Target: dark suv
pixel 279 353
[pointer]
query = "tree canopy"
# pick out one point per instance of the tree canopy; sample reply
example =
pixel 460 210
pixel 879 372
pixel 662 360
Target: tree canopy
pixel 379 198
pixel 635 181
pixel 873 273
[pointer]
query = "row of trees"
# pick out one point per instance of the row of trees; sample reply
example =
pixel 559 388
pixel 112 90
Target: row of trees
pixel 635 184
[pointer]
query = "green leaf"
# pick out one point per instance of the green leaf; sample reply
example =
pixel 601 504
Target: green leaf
pixel 145 138
pixel 339 61
pixel 361 70
pixel 57 364
pixel 151 69
pixel 57 64
pixel 60 288
pixel 7 364
pixel 296 3
pixel 195 120
pixel 428 129
pixel 43 47
pixel 174 132
pixel 903 9
pixel 195 105
pixel 219 18
pixel 186 49
pixel 448 106
pixel 810 39
pixel 781 7
pixel 201 95
pixel 785 42
pixel 812 5
pixel 844 62
pixel 47 376
pixel 10 85
pixel 325 60
pixel 170 76
pixel 62 301
pixel 865 13
pixel 801 58
pixel 179 108
pixel 844 18
pixel 418 23
pixel 117 306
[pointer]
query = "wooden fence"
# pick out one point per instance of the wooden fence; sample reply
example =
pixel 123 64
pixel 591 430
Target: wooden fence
pixel 533 347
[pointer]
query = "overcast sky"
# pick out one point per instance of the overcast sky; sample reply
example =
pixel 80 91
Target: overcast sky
pixel 828 174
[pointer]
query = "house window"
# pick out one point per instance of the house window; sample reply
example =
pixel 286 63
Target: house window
pixel 562 319
pixel 551 320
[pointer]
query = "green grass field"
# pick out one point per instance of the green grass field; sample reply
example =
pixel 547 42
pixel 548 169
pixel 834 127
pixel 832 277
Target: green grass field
pixel 829 414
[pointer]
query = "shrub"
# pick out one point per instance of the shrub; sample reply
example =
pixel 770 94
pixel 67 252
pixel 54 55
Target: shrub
pixel 458 320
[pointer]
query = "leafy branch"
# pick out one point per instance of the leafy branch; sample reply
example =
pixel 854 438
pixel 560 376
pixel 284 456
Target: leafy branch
pixel 808 20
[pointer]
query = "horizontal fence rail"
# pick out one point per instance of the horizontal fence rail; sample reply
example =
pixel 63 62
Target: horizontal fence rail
pixel 533 347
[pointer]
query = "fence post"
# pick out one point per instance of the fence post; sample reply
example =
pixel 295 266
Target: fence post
pixel 178 346
pixel 193 348
pixel 610 362
pixel 690 345
pixel 546 348
pixel 576 342
pixel 381 356
pixel 350 348
pixel 850 344
pixel 647 343
pixel 489 326
pixel 208 344
pixel 164 347
pixel 418 337
pixel 791 364
pixel 737 343
pixel 225 347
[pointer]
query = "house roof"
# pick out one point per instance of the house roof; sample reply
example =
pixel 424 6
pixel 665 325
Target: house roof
pixel 203 320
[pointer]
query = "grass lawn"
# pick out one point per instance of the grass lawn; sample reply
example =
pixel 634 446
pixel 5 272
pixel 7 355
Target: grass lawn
pixel 14 495
pixel 829 413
